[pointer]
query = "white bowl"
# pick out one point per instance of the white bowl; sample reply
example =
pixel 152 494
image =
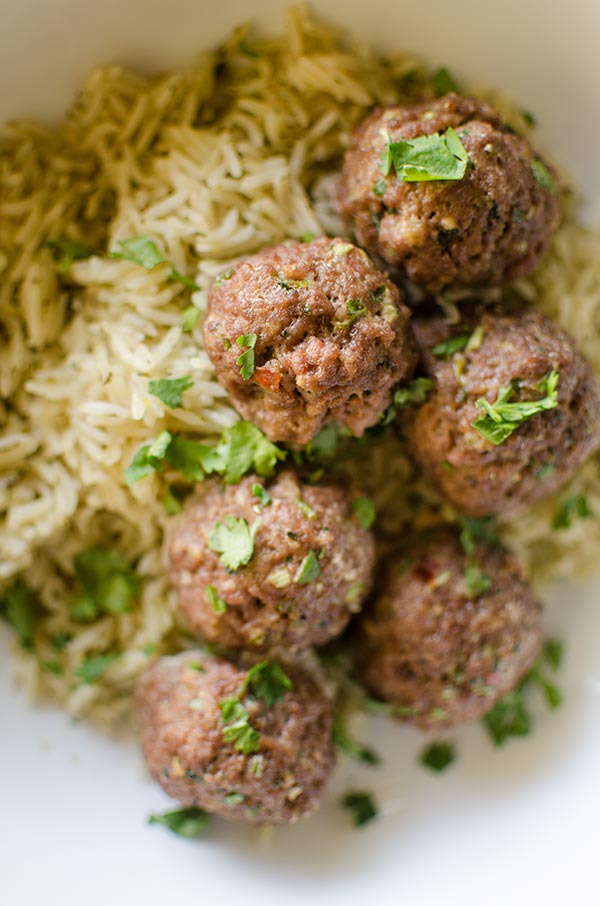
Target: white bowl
pixel 515 825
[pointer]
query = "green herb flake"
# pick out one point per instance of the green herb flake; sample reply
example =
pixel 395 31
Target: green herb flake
pixel 65 252
pixel 142 250
pixel 267 682
pixel 477 582
pixel 172 501
pixel 449 347
pixel 237 729
pixel 186 822
pixel 234 541
pixel 438 756
pixel 189 318
pixel 553 652
pixel 308 237
pixel 542 174
pixel 244 448
pixel 291 284
pixel 442 82
pixel 365 511
pixel 350 747
pixel 261 493
pixel 148 459
pixel 518 215
pixel 20 608
pixel 379 187
pixel 428 157
pixel 233 798
pixel 94 667
pixel 323 447
pixel 220 279
pixel 573 507
pixel 245 361
pixel 503 417
pixel 544 471
pixel 109 584
pixel 54 667
pixel 414 394
pixel 474 529
pixel 217 603
pixel 170 390
pixel 361 805
pixel 309 569
pixel 529 118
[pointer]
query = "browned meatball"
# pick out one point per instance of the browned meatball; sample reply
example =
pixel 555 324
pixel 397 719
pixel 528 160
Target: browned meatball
pixel 330 338
pixel 489 227
pixel 477 476
pixel 447 635
pixel 271 768
pixel 311 565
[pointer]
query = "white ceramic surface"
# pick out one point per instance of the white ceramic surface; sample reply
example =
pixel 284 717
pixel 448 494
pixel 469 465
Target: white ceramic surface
pixel 517 825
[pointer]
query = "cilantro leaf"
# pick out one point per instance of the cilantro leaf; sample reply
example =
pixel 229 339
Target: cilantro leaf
pixel 428 157
pixel 144 251
pixel 268 682
pixel 245 361
pixel 109 584
pixel 542 174
pixel 170 390
pixel 355 310
pixel 577 506
pixel 350 747
pixel 65 252
pixel 148 459
pixel 442 82
pixel 244 447
pixel 237 728
pixel 309 569
pixel 190 457
pixel 92 668
pixel 20 607
pixel 365 511
pixel 261 493
pixel 414 393
pixel 361 805
pixel 447 349
pixel 217 603
pixel 186 822
pixel 503 417
pixel 438 756
pixel 476 581
pixel 234 541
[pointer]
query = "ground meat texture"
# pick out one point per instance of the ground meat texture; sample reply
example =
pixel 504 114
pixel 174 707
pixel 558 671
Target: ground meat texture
pixel 272 601
pixel 489 227
pixel 477 477
pixel 332 338
pixel 181 727
pixel 433 646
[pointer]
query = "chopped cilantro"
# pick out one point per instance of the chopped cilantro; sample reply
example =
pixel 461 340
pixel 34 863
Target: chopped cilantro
pixel 518 215
pixel 414 393
pixel 189 318
pixel 267 682
pixel 529 118
pixel 476 581
pixel 323 446
pixel 365 511
pixel 108 583
pixel 148 459
pixel 349 746
pixel 426 158
pixel 552 653
pixel 222 278
pixel 438 756
pixel 217 603
pixel 291 284
pixel 503 417
pixel 447 349
pixel 305 508
pixel 355 310
pixel 186 822
pixel 573 506
pixel 65 252
pixel 245 361
pixel 92 668
pixel 259 491
pixel 375 706
pixel 309 569
pixel 361 805
pixel 233 798
pixel 477 529
pixel 172 500
pixel 20 607
pixel 442 82
pixel 144 251
pixel 380 186
pixel 308 237
pixel 170 390
pixel 542 174
pixel 544 471
pixel 234 541
pixel 237 729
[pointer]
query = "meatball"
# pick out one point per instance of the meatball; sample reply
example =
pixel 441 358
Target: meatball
pixel 310 568
pixel 271 767
pixel 329 339
pixel 447 635
pixel 489 227
pixel 504 351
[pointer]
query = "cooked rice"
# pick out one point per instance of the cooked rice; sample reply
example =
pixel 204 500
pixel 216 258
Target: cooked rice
pixel 213 163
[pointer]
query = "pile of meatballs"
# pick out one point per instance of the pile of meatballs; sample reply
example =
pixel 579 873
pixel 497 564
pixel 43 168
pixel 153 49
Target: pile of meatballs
pixel 441 629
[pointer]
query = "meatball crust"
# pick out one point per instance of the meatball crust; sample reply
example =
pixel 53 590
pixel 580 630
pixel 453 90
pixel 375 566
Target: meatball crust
pixel 431 645
pixel 491 226
pixel 543 452
pixel 178 711
pixel 332 338
pixel 311 568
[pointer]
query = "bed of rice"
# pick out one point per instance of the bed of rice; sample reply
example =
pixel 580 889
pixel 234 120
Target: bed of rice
pixel 212 163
